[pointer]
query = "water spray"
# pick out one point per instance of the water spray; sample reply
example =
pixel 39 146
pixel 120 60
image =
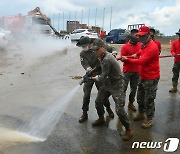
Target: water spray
pixel 42 126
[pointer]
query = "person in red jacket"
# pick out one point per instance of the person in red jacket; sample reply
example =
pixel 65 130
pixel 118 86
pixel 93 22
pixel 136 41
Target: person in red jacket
pixel 149 71
pixel 130 70
pixel 175 49
pixel 102 35
pixel 152 33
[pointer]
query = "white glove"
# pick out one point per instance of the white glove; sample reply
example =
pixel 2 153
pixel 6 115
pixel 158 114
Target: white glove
pixel 88 69
pixel 97 77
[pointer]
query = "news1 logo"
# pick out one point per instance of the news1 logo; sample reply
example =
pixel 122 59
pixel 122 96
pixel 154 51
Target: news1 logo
pixel 170 145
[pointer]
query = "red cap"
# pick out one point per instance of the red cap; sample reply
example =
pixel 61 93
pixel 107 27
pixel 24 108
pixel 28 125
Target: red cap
pixel 143 30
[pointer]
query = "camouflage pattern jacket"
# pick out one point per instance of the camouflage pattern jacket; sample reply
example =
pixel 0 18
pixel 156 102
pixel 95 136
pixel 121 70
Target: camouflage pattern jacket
pixel 111 72
pixel 109 48
pixel 89 59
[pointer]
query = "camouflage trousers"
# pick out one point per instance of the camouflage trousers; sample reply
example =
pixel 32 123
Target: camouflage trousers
pixel 87 93
pixel 175 70
pixel 145 96
pixel 133 79
pixel 118 96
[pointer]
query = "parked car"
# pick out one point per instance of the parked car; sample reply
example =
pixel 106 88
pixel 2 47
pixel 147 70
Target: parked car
pixel 117 36
pixel 7 33
pixel 79 33
pixel 3 41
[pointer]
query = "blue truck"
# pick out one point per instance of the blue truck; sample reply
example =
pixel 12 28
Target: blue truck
pixel 117 36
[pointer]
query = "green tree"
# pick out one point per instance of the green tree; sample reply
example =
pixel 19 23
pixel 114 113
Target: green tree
pixel 158 33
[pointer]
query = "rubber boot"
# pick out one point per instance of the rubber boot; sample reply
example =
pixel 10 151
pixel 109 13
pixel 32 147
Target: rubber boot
pixel 83 118
pixel 128 134
pixel 138 117
pixel 147 123
pixel 173 89
pixel 131 106
pixel 110 112
pixel 99 122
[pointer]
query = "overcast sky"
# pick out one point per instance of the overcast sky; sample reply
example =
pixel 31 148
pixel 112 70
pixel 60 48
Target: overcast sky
pixel 161 14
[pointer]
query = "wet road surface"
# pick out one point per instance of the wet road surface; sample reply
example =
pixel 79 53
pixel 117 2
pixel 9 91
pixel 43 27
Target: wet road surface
pixel 30 85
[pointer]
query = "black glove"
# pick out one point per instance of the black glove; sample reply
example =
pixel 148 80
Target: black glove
pixel 86 78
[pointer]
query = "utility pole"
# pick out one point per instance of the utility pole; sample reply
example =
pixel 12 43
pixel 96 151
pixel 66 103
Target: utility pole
pixel 63 21
pixel 75 19
pixel 88 17
pixel 69 15
pixel 69 28
pixel 53 19
pixel 110 18
pixel 95 16
pixel 58 21
pixel 81 17
pixel 103 19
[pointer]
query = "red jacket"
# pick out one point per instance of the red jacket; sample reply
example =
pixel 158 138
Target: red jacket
pixel 175 49
pixel 148 62
pixel 158 44
pixel 102 34
pixel 127 50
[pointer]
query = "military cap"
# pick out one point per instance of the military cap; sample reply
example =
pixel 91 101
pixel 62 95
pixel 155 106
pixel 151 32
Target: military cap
pixel 84 41
pixel 97 43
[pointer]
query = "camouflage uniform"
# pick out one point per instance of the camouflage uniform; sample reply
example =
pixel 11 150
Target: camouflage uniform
pixel 89 59
pixel 175 49
pixel 133 78
pixel 146 102
pixel 109 48
pixel 175 70
pixel 113 83
pixel 131 71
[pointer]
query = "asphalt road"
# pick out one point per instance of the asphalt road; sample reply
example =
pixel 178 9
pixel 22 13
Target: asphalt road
pixel 33 79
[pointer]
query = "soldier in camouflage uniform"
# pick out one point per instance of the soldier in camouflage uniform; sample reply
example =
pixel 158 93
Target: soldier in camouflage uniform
pixel 149 71
pixel 90 61
pixel 131 71
pixel 113 82
pixel 175 49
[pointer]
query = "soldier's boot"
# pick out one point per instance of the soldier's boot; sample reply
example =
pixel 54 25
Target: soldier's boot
pixel 83 118
pixel 128 134
pixel 173 89
pixel 99 122
pixel 147 123
pixel 131 106
pixel 110 112
pixel 138 117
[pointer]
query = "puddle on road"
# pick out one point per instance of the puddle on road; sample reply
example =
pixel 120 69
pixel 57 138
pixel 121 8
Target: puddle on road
pixel 11 137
